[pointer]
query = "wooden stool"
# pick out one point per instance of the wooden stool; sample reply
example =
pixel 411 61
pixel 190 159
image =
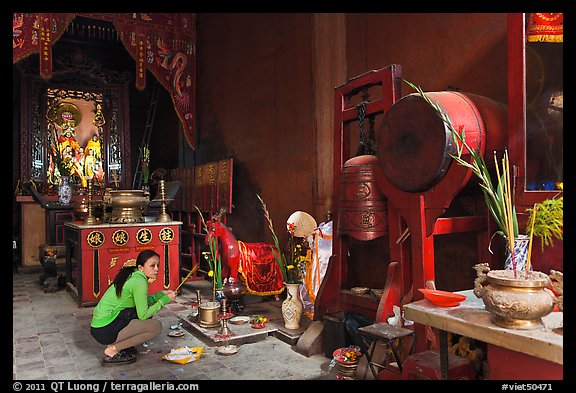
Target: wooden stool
pixel 387 334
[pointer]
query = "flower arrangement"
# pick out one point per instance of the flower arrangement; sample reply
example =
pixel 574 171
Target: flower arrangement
pixel 213 258
pixel 63 163
pixel 499 198
pixel 300 255
pixel 292 266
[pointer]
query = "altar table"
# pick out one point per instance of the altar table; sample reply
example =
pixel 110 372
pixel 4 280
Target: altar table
pixel 95 253
pixel 512 354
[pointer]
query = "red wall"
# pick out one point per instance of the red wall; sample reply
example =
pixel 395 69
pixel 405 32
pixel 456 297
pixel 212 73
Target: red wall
pixel 255 105
pixel 256 99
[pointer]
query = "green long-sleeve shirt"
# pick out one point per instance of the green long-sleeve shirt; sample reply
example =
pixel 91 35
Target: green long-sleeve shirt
pixel 134 294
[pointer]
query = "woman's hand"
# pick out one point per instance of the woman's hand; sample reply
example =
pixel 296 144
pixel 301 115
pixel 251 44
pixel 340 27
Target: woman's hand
pixel 171 294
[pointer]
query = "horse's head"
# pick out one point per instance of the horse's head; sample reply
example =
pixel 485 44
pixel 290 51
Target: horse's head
pixel 215 230
pixel 220 235
pixel 212 229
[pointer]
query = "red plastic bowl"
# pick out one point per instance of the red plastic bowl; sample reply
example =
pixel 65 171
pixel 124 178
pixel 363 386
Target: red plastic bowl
pixel 443 298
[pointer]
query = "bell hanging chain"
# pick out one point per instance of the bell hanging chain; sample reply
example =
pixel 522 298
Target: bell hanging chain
pixel 366 146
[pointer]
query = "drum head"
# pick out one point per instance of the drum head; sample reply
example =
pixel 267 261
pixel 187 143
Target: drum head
pixel 415 145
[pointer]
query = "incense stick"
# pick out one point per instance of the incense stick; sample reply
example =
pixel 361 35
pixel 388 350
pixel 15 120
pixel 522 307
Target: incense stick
pixel 531 237
pixel 186 278
pixel 508 208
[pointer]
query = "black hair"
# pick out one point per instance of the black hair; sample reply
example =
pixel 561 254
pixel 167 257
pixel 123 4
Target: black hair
pixel 126 271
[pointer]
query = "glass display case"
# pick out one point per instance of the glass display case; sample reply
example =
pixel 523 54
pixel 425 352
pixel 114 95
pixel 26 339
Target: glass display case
pixel 535 119
pixel 81 129
pixel 535 101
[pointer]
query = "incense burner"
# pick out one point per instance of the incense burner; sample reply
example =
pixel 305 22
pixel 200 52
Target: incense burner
pixel 127 206
pixel 518 299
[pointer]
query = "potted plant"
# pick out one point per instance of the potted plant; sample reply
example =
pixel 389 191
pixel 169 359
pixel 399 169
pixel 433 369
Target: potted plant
pixel 547 220
pixel 518 301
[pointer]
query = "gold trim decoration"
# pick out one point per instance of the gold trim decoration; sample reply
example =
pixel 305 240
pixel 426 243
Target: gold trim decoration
pixel 95 239
pixel 545 27
pixel 112 263
pixel 130 263
pixel 166 235
pixel 120 237
pixel 144 236
pixel 98 120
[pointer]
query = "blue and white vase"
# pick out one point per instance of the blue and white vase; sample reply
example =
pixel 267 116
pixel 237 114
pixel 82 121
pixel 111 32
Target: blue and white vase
pixel 520 253
pixel 65 191
pixel 219 295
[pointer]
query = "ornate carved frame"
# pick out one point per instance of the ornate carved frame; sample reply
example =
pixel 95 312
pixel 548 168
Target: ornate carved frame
pixel 90 81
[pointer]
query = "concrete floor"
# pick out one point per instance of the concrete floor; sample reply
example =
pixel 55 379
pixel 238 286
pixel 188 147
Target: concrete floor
pixel 51 341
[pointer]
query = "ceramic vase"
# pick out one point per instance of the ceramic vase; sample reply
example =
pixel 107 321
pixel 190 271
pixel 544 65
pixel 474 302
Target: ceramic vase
pixel 520 253
pixel 65 191
pixel 292 307
pixel 219 294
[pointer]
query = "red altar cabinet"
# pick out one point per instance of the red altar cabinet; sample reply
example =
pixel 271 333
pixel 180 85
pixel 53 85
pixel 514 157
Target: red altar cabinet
pixel 95 253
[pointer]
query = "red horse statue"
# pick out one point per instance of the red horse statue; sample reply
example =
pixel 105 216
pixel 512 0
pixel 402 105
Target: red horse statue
pixel 254 261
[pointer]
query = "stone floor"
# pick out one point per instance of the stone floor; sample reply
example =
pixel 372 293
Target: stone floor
pixel 51 341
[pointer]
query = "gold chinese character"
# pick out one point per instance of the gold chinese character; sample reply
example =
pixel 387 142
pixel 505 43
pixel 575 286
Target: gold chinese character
pixel 120 237
pixel 166 235
pixel 95 238
pixel 144 236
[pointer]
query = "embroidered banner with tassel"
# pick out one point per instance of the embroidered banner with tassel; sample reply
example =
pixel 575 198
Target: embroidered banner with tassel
pixel 163 43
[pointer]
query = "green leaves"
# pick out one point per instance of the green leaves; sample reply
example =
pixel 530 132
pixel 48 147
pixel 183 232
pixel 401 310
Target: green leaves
pixel 548 220
pixel 278 254
pixel 212 256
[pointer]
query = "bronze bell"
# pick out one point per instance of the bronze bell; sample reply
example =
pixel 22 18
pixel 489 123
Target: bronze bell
pixel 363 211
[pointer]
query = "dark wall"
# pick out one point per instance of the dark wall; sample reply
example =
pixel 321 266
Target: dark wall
pixel 255 105
pixel 255 96
pixel 255 102
pixel 436 51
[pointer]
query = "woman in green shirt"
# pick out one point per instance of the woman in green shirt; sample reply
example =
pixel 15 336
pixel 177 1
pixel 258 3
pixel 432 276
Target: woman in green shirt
pixel 122 317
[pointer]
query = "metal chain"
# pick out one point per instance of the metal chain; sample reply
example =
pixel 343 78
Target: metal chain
pixel 361 109
pixel 366 146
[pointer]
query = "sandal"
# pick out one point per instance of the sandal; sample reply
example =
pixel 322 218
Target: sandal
pixel 120 358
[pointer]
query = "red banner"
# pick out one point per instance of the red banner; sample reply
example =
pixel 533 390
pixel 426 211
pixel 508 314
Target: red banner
pixel 164 43
pixel 36 33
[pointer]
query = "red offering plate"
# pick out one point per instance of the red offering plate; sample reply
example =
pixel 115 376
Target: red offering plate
pixel 348 355
pixel 443 298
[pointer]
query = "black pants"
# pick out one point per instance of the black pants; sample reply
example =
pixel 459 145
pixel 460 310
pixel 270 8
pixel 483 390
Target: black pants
pixel 108 334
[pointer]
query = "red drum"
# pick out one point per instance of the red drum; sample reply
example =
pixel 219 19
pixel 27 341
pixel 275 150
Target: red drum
pixel 415 145
pixel 363 211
